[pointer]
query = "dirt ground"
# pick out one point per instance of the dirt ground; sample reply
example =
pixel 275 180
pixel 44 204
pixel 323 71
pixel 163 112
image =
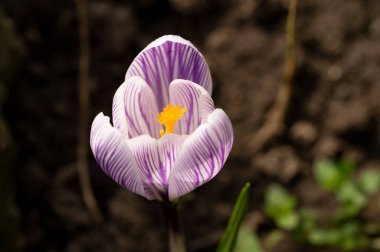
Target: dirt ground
pixel 334 110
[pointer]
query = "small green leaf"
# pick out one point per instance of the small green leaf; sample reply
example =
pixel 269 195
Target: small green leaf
pixel 352 237
pixel 288 221
pixel 324 237
pixel 307 222
pixel 307 219
pixel 369 181
pixel 353 200
pixel 280 206
pixel 348 237
pixel 247 241
pixel 331 175
pixel 228 241
pixel 345 166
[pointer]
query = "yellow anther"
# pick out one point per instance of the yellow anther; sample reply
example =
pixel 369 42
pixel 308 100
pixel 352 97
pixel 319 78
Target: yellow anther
pixel 169 116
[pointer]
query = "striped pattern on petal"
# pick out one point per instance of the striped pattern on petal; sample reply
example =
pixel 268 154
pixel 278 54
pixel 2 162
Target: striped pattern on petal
pixel 202 155
pixel 197 101
pixel 113 155
pixel 135 109
pixel 155 158
pixel 119 118
pixel 166 59
pixel 169 145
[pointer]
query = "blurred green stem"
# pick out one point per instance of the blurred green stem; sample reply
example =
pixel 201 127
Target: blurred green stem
pixel 84 101
pixel 274 123
pixel 290 38
pixel 176 238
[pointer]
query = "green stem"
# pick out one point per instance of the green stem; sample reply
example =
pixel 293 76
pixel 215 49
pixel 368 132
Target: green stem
pixel 84 103
pixel 176 238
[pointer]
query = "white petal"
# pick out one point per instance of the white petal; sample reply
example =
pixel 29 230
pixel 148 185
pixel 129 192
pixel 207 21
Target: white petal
pixel 113 155
pixel 202 155
pixel 166 59
pixel 197 101
pixel 119 118
pixel 135 109
pixel 155 158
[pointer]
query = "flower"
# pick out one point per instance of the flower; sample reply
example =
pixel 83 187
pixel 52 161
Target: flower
pixel 163 155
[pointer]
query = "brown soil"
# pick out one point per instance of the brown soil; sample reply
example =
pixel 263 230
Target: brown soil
pixel 334 110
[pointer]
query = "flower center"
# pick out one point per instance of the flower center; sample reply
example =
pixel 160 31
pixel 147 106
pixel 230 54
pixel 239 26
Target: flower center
pixel 169 116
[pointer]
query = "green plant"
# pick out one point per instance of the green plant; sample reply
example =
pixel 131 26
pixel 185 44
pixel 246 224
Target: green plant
pixel 280 206
pixel 228 241
pixel 345 230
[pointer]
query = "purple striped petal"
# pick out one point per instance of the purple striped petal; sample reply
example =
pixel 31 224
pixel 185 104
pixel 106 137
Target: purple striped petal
pixel 202 155
pixel 155 158
pixel 135 109
pixel 119 118
pixel 197 101
pixel 166 59
pixel 113 155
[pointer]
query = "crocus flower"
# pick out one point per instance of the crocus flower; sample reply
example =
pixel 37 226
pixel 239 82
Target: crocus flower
pixel 167 138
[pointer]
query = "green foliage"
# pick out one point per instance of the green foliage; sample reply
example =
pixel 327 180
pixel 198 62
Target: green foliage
pixel 319 236
pixel 369 181
pixel 344 230
pixel 352 200
pixel 228 241
pixel 280 206
pixel 348 236
pixel 247 241
pixel 331 175
pixel 307 222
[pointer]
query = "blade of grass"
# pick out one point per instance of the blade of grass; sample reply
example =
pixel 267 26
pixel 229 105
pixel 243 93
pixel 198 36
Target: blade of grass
pixel 228 241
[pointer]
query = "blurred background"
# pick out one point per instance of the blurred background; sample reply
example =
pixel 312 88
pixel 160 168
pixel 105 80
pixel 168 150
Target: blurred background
pixel 315 177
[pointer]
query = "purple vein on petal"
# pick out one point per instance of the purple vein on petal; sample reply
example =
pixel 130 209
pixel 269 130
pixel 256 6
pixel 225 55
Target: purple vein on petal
pixel 202 155
pixel 140 108
pixel 197 101
pixel 112 154
pixel 171 57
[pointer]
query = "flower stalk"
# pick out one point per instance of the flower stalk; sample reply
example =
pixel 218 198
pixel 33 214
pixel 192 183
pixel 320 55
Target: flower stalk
pixel 176 238
pixel 84 101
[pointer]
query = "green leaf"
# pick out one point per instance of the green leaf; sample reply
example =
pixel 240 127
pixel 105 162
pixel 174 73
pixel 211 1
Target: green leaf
pixel 346 166
pixel 288 221
pixel 369 181
pixel 324 237
pixel 353 200
pixel 228 241
pixel 307 222
pixel 352 237
pixel 280 206
pixel 348 237
pixel 247 241
pixel 307 219
pixel 331 175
